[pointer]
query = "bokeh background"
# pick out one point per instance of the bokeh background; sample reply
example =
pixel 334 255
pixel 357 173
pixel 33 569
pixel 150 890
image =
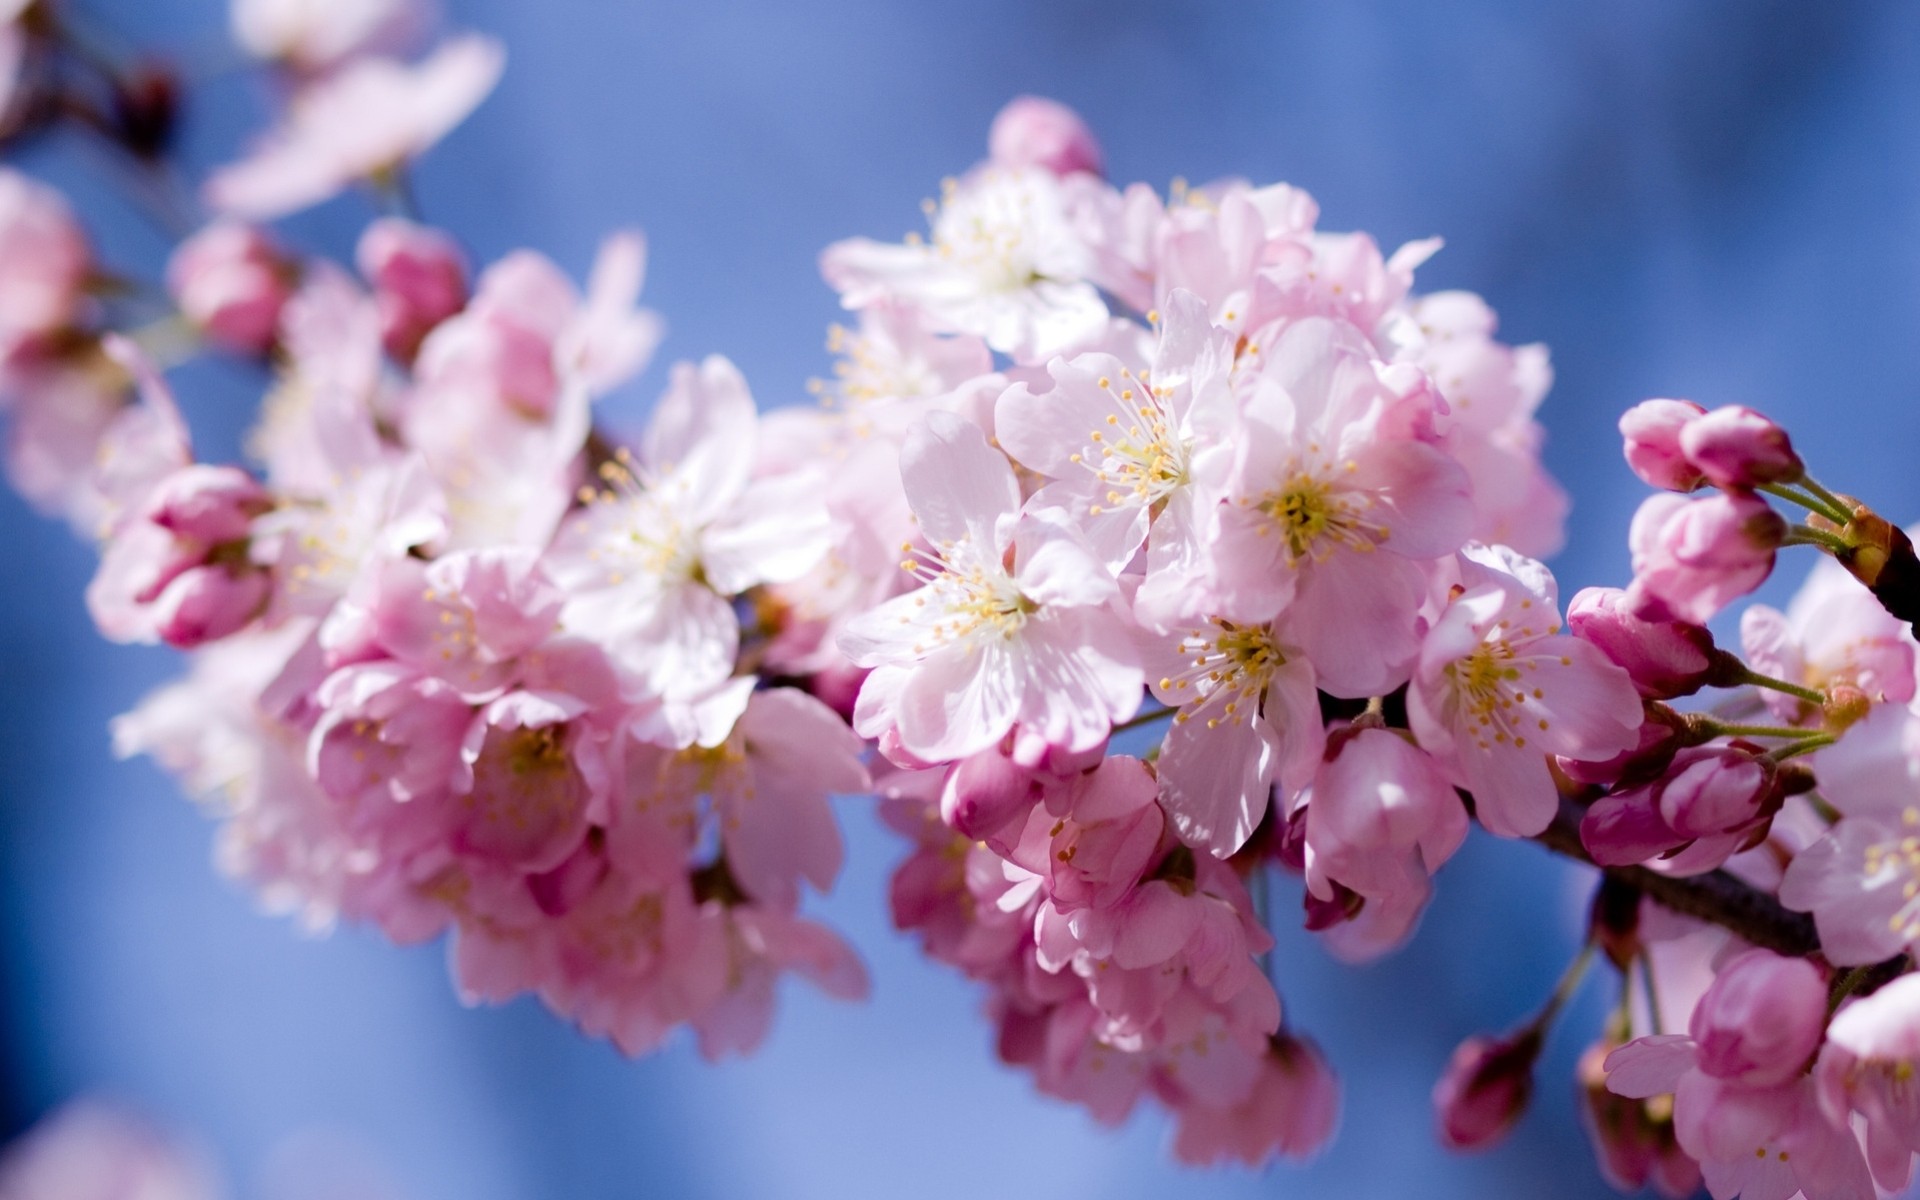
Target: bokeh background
pixel 1718 200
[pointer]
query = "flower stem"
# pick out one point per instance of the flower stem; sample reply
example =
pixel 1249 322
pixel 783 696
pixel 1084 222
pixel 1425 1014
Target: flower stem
pixel 1653 994
pixel 1806 745
pixel 1724 729
pixel 1834 512
pixel 1807 535
pixel 1810 695
pixel 1828 498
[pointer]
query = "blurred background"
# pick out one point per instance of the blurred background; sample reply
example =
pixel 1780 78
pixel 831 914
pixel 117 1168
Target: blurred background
pixel 1712 200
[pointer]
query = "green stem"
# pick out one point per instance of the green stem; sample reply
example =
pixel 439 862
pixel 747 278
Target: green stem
pixel 1564 990
pixel 1812 504
pixel 1828 498
pixel 1810 695
pixel 1806 745
pixel 1653 994
pixel 1773 731
pixel 1807 535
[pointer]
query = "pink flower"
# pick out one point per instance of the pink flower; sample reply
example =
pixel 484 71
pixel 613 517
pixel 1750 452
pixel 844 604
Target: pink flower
pixel 677 529
pixel 1015 622
pixel 1635 1145
pixel 44 259
pixel 312 35
pixel 89 1150
pixel 1291 1111
pixel 231 281
pixel 1005 263
pixel 1666 659
pixel 1834 633
pixel 1033 131
pixel 372 117
pixel 769 780
pixel 1336 499
pixel 1498 687
pixel 1871 1054
pixel 1861 878
pixel 1692 557
pixel 1485 1089
pixel 1652 430
pixel 1749 1141
pixel 1382 817
pixel 1736 447
pixel 1136 459
pixel 1762 1019
pixel 1248 721
pixel 1492 391
pixel 419 278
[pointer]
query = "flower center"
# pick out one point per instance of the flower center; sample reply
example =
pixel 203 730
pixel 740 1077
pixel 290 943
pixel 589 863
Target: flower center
pixel 1140 456
pixel 1900 856
pixel 649 540
pixel 1315 518
pixel 1491 689
pixel 973 597
pixel 1230 662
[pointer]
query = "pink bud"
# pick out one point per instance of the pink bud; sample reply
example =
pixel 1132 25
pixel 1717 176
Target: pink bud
pixel 1635 1147
pixel 209 504
pixel 1761 1020
pixel 1691 557
pixel 1659 739
pixel 1033 131
pixel 1485 1089
pixel 985 793
pixel 1665 658
pixel 1626 828
pixel 1651 430
pixel 44 259
pixel 1736 447
pixel 231 281
pixel 1716 789
pixel 419 279
pixel 206 603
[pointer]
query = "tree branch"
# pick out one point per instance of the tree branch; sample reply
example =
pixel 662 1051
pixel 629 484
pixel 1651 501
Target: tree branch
pixel 1716 896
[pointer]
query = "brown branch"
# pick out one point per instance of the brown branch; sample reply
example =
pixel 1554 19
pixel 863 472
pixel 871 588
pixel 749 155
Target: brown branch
pixel 1716 896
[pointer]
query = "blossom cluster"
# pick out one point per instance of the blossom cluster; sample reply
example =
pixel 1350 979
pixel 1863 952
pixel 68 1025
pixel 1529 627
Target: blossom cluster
pixel 1140 548
pixel 459 661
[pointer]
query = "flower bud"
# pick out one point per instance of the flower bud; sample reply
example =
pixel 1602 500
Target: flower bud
pixel 1691 557
pixel 1633 1139
pixel 1033 131
pixel 209 504
pixel 44 259
pixel 1660 738
pixel 1651 430
pixel 1485 1089
pixel 1716 789
pixel 1626 828
pixel 206 603
pixel 1736 447
pixel 1665 658
pixel 231 282
pixel 1761 1020
pixel 984 793
pixel 419 279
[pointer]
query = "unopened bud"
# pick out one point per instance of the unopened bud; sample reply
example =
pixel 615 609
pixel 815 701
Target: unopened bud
pixel 1033 131
pixel 1485 1089
pixel 1736 447
pixel 1761 1020
pixel 1651 433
